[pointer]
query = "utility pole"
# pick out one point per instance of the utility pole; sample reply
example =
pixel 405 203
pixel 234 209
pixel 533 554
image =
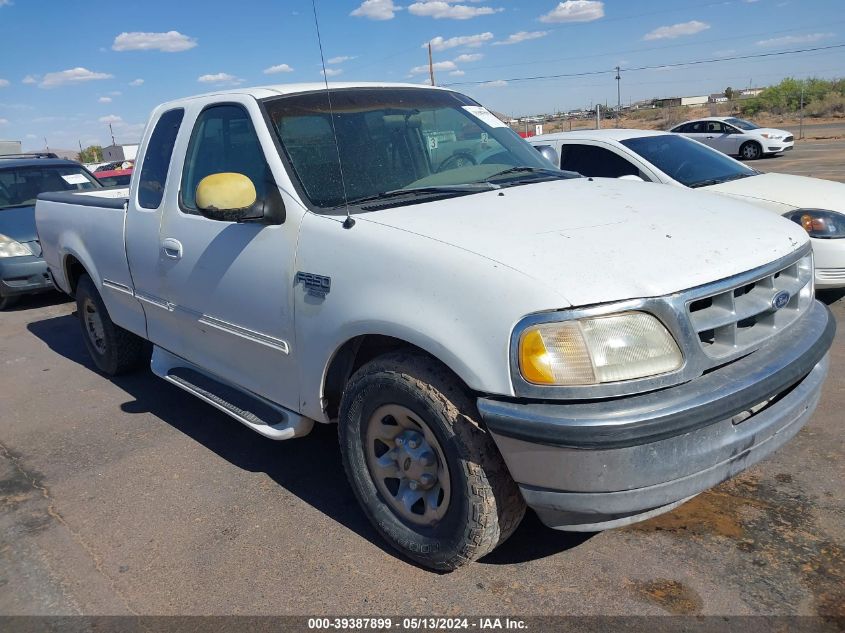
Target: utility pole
pixel 46 144
pixel 598 116
pixel 618 97
pixel 430 65
pixel 111 131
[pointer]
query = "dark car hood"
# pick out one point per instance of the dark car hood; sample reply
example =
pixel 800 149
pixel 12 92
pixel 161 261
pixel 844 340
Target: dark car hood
pixel 19 223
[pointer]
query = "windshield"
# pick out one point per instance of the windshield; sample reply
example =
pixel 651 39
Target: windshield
pixel 687 161
pixel 742 124
pixel 20 186
pixel 392 139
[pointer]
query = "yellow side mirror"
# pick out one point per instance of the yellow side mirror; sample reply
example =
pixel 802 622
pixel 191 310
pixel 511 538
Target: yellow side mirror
pixel 225 192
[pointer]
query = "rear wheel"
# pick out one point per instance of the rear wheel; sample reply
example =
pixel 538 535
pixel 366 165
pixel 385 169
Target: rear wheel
pixel 428 477
pixel 114 350
pixel 750 150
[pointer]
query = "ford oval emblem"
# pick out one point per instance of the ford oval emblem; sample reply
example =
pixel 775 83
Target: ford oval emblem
pixel 781 299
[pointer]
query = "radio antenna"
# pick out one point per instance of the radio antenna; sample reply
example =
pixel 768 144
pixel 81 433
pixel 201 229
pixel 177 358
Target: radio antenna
pixel 349 222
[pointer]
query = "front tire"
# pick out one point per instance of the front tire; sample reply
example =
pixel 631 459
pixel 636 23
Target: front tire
pixel 751 150
pixel 114 350
pixel 428 477
pixel 7 302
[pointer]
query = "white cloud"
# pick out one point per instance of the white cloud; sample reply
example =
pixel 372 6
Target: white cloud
pixel 468 57
pixel 4 83
pixel 457 73
pixel 3 121
pixel 220 79
pixel 499 83
pixel 29 79
pixel 340 59
pixel 111 118
pixel 115 93
pixel 331 72
pixel 278 68
pixel 136 82
pixel 376 10
pixel 788 40
pixel 575 11
pixel 169 42
pixel 447 65
pixel 5 3
pixel 677 30
pixel 104 100
pixel 470 41
pixel 438 9
pixel 70 76
pixel 521 36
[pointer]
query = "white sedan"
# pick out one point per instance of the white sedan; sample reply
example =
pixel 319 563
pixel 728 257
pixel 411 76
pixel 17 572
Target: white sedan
pixel 737 137
pixel 817 205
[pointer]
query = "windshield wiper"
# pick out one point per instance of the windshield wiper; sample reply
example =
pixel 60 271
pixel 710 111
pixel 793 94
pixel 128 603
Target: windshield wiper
pixel 440 190
pixel 718 181
pixel 540 171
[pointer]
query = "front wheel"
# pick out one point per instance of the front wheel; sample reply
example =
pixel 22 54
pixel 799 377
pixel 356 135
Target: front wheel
pixel 428 477
pixel 114 350
pixel 7 302
pixel 750 150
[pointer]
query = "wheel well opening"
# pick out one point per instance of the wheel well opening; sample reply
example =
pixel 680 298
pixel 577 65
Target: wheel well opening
pixel 73 271
pixel 352 356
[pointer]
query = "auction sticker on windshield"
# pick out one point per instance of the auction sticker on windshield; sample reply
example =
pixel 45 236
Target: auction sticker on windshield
pixel 485 115
pixel 75 179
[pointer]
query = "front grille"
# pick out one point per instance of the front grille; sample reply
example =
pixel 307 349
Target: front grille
pixel 830 274
pixel 739 319
pixel 789 139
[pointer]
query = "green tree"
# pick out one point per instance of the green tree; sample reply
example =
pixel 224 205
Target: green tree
pixel 91 154
pixel 729 93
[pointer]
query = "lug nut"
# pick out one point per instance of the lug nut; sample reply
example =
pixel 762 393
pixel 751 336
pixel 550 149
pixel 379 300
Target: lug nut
pixel 413 485
pixel 399 441
pixel 413 442
pixel 427 480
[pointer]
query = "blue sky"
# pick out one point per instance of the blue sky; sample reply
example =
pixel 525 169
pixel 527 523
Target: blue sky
pixel 69 67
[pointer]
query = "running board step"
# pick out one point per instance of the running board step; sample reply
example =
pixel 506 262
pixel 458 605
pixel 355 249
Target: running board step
pixel 259 414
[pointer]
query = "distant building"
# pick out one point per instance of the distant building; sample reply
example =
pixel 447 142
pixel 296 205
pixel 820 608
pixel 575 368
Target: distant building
pixel 10 147
pixel 750 92
pixel 114 153
pixel 668 102
pixel 718 97
pixel 695 101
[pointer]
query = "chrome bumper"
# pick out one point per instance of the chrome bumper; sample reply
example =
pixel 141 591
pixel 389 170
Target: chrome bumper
pixel 589 466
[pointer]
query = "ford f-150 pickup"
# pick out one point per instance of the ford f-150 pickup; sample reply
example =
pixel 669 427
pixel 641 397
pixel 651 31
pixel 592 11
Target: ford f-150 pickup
pixel 488 332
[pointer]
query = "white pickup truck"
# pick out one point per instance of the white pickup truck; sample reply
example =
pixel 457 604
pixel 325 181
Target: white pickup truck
pixel 487 332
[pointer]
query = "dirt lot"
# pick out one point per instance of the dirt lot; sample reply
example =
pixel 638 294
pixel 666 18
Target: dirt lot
pixel 129 496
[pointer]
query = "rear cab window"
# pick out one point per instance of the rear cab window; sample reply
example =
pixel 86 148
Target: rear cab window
pixel 153 177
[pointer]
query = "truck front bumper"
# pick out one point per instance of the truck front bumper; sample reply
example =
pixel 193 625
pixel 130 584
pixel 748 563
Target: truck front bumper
pixel 23 275
pixel 598 465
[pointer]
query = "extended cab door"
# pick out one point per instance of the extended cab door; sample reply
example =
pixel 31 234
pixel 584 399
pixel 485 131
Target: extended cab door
pixel 228 286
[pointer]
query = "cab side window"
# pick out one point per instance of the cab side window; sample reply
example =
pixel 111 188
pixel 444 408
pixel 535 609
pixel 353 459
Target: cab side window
pixel 591 160
pixel 223 140
pixel 153 176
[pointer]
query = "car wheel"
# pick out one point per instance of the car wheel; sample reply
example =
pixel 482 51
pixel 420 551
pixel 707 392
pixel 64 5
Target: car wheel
pixel 750 150
pixel 8 302
pixel 428 476
pixel 114 350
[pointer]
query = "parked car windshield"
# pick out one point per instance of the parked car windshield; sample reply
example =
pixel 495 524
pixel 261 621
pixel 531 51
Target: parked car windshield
pixel 392 139
pixel 742 124
pixel 687 161
pixel 20 186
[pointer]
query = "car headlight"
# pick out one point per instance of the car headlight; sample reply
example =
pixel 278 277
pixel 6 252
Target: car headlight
pixel 774 137
pixel 597 350
pixel 819 223
pixel 11 248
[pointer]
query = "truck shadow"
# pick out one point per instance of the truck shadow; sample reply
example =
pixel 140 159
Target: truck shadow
pixel 309 467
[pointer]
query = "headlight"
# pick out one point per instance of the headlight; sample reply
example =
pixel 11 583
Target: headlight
pixel 11 248
pixel 597 350
pixel 774 137
pixel 819 222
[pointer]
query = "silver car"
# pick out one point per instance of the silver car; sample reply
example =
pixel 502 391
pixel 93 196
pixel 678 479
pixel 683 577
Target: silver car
pixel 737 137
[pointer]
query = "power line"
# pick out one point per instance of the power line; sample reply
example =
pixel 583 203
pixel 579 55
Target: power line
pixel 696 62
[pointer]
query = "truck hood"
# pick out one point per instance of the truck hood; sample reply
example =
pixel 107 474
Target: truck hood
pixel 793 192
pixel 19 224
pixel 600 240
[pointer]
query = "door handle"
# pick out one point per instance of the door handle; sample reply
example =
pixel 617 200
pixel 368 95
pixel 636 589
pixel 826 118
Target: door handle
pixel 171 248
pixel 709 137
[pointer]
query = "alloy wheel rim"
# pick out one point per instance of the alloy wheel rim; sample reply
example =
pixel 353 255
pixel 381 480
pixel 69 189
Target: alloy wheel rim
pixel 407 465
pixel 94 326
